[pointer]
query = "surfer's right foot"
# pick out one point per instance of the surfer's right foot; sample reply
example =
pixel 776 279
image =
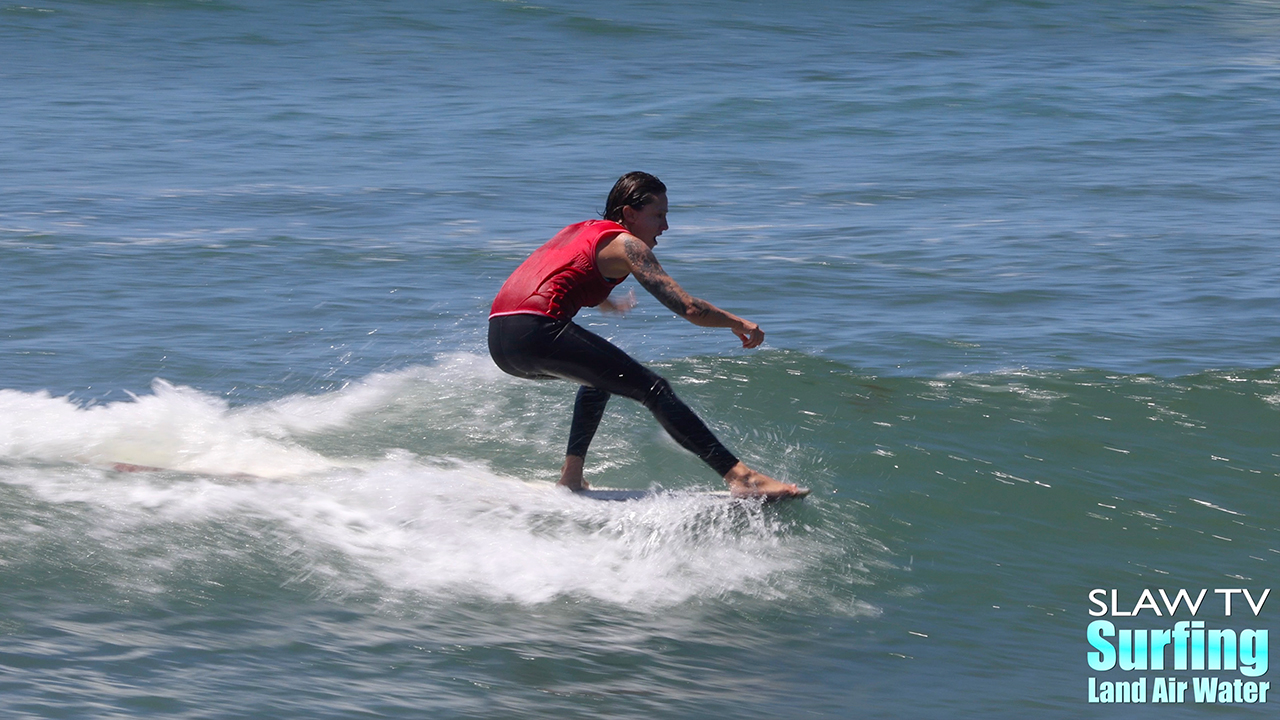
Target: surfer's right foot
pixel 745 482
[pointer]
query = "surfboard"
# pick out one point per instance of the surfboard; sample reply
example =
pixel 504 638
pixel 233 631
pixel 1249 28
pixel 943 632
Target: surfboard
pixel 622 495
pixel 122 467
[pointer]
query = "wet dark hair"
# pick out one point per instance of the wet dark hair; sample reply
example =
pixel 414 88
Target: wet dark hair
pixel 633 190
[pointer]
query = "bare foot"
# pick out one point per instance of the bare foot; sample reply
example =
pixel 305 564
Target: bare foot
pixel 571 473
pixel 745 482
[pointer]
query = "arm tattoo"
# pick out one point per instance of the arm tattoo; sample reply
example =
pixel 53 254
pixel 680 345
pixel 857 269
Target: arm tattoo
pixel 652 277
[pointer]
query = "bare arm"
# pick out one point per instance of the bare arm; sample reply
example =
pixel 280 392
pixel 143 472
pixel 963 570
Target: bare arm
pixel 649 273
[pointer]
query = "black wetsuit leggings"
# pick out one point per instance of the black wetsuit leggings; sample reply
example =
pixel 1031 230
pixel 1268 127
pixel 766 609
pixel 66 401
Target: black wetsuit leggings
pixel 535 347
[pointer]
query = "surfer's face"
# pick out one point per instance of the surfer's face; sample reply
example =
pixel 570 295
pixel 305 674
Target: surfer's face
pixel 648 222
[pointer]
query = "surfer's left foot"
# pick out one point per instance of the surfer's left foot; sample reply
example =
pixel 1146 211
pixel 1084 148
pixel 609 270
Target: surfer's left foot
pixel 571 473
pixel 745 482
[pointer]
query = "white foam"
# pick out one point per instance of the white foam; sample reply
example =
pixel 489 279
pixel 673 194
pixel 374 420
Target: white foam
pixel 408 528
pixel 180 428
pixel 396 524
pixel 454 373
pixel 175 427
pixel 461 528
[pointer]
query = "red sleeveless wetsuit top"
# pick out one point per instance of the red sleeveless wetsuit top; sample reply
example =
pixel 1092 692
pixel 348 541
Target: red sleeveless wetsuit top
pixel 560 277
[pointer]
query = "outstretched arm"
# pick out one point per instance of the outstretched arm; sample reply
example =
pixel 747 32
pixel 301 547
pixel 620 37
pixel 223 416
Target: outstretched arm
pixel 649 273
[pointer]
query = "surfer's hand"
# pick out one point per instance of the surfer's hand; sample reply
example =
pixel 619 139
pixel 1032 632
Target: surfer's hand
pixel 619 306
pixel 749 333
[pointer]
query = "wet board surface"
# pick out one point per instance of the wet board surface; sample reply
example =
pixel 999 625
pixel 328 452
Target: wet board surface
pixel 621 495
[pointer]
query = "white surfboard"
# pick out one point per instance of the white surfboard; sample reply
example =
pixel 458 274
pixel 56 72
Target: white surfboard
pixel 622 495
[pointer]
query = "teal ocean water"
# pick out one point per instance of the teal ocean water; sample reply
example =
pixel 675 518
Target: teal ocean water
pixel 1016 265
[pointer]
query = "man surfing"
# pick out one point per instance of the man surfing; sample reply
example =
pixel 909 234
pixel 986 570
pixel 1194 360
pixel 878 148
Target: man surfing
pixel 532 334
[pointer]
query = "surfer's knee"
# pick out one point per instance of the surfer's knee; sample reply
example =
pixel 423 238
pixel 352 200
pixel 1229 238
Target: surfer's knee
pixel 659 392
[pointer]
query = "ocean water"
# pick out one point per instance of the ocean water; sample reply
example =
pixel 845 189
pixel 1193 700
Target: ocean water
pixel 1015 261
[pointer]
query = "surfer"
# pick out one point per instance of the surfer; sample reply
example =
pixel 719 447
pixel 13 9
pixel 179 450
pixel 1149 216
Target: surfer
pixel 532 334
